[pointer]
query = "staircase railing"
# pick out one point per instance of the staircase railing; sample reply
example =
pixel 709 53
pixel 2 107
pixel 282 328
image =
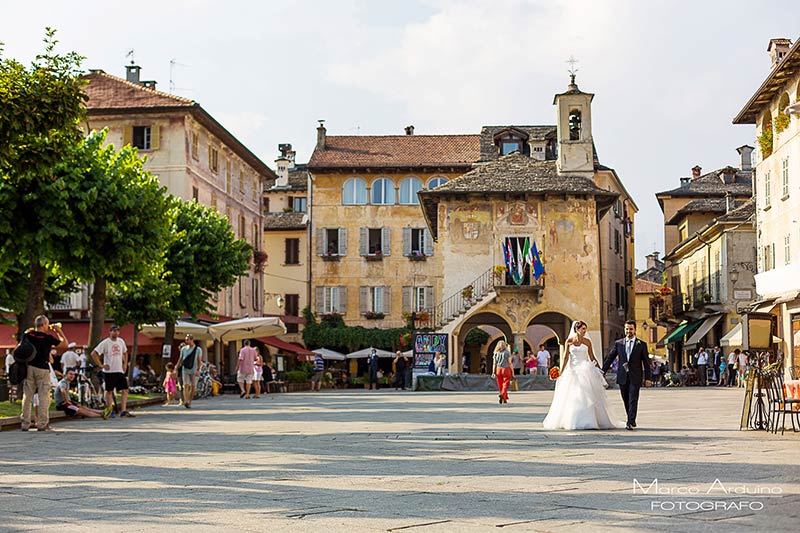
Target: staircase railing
pixel 461 301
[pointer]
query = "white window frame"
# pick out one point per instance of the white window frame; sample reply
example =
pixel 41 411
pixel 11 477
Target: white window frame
pixel 359 196
pixel 331 303
pixel 785 177
pixel 375 303
pixel 407 189
pixel 419 303
pixel 420 241
pixel 147 137
pixel 436 182
pixel 386 196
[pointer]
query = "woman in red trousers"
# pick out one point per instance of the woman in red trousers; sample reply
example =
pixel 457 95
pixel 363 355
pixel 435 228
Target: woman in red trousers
pixel 501 369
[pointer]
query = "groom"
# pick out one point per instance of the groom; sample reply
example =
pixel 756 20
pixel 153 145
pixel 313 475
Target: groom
pixel 634 364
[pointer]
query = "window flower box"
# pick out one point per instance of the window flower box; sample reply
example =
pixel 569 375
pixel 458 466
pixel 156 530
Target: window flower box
pixel 417 256
pixel 377 256
pixel 330 256
pixel 373 315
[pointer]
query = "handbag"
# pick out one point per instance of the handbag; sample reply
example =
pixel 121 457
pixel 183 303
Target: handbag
pixel 514 385
pixel 53 377
pixel 25 351
pixel 188 361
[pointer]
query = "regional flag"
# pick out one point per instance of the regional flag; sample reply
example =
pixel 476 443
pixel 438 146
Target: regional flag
pixel 538 267
pixel 506 256
pixel 520 263
pixel 526 251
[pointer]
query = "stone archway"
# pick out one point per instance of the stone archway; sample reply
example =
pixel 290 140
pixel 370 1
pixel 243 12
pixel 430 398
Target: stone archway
pixel 499 329
pixel 551 329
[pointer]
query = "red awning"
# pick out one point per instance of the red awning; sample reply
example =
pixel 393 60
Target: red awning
pixel 78 332
pixel 285 346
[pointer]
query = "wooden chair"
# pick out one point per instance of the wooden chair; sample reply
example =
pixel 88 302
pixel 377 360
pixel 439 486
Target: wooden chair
pixel 779 405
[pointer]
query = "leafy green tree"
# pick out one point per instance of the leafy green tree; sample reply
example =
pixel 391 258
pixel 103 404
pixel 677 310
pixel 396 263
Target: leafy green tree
pixel 14 283
pixel 120 216
pixel 204 257
pixel 41 107
pixel 144 300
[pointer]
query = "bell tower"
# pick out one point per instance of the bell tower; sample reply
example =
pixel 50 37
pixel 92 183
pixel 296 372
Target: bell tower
pixel 575 143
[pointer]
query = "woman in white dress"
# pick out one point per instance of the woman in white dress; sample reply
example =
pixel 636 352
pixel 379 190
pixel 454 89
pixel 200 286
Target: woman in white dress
pixel 580 400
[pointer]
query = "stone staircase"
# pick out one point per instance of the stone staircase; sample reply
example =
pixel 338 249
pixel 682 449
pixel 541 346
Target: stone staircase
pixel 459 304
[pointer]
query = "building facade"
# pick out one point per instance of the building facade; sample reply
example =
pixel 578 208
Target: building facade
pixel 372 257
pixel 287 266
pixel 194 157
pixel 775 112
pixel 377 256
pixel 646 316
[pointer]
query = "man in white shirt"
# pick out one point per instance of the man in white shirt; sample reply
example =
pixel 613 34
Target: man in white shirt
pixel 732 362
pixel 69 359
pixel 702 365
pixel 542 361
pixel 115 367
pixel 9 360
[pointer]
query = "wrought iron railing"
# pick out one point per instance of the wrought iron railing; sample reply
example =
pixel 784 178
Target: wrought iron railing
pixel 461 301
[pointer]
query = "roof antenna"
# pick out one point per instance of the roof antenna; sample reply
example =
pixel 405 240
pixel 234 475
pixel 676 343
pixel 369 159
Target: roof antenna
pixel 130 55
pixel 172 64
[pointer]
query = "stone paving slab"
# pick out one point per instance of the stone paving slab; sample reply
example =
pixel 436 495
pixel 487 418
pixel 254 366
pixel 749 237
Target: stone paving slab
pixel 408 462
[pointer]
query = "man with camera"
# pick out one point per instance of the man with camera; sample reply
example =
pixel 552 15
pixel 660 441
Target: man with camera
pixel 43 337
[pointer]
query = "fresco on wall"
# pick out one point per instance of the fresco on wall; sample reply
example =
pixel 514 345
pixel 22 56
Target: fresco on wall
pixel 470 224
pixel 518 214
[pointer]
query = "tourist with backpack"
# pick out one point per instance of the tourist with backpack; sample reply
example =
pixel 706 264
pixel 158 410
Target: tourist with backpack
pixel 33 353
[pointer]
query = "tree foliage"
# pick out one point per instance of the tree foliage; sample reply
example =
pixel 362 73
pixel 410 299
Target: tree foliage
pixel 119 216
pixel 40 111
pixel 333 334
pixel 203 258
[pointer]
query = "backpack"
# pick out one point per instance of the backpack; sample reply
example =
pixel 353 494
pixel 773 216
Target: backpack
pixel 25 350
pixel 17 373
pixel 188 361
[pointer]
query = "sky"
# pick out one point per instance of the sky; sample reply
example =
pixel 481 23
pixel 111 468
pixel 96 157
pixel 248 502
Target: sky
pixel 668 75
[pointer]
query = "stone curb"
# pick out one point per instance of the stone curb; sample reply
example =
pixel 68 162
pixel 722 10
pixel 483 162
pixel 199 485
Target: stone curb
pixel 13 422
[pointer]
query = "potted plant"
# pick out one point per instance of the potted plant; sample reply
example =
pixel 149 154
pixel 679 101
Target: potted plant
pixel 374 315
pixel 782 121
pixel 499 272
pixel 259 260
pixel 706 297
pixel 765 140
pixel 467 292
pixel 416 255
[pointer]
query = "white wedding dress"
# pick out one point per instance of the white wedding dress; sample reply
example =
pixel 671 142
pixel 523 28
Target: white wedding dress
pixel 580 400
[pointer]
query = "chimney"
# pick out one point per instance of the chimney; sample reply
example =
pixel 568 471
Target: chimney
pixel 652 260
pixel 685 181
pixel 777 49
pixel 696 171
pixel 321 135
pixel 410 130
pixel 728 175
pixel 150 84
pixel 746 154
pixel 730 204
pixel 132 73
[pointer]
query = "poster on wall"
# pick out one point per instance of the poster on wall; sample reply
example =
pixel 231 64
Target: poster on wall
pixel 426 347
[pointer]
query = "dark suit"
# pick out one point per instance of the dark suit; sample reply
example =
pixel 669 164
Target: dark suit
pixel 633 369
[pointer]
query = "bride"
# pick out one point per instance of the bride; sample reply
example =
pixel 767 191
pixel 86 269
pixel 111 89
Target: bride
pixel 580 399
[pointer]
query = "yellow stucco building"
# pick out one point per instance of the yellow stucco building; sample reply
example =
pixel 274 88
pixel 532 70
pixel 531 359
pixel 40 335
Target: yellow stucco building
pixel 775 110
pixel 377 256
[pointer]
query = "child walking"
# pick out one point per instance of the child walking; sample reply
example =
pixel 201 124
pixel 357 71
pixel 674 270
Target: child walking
pixel 170 383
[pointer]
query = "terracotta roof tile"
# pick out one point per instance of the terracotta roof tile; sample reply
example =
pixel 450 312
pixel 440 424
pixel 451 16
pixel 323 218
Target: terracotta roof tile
pixel 643 286
pixel 110 92
pixel 396 151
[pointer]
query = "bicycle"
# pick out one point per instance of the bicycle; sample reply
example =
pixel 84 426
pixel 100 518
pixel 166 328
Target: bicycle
pixel 205 383
pixel 87 393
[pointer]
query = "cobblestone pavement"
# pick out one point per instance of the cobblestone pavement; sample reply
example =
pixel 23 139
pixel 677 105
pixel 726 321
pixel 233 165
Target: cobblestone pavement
pixel 394 461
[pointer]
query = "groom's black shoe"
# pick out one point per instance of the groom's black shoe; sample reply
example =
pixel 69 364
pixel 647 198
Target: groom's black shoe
pixel 633 424
pixel 630 426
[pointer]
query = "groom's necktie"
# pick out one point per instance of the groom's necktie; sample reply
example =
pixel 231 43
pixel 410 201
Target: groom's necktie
pixel 628 345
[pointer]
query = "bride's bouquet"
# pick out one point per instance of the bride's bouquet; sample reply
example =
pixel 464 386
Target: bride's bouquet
pixel 554 373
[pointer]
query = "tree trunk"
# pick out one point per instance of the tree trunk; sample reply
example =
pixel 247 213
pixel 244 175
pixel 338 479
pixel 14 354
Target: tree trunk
pixel 132 354
pixel 97 316
pixel 34 303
